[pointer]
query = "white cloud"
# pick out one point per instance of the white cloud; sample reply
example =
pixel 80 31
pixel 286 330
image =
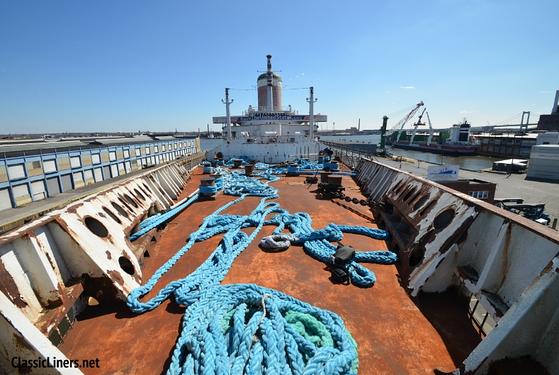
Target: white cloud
pixel 407 87
pixel 465 112
pixel 296 76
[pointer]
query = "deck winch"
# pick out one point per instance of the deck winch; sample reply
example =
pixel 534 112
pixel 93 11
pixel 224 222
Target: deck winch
pixel 208 188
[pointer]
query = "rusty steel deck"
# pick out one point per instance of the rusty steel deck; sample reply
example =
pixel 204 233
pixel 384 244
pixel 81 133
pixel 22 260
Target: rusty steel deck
pixel 396 334
pixel 474 291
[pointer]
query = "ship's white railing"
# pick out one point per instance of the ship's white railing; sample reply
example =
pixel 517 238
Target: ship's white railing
pixel 287 109
pixel 506 265
pixel 47 263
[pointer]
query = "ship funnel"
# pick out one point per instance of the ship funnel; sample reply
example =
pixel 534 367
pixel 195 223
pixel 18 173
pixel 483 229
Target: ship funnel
pixel 269 89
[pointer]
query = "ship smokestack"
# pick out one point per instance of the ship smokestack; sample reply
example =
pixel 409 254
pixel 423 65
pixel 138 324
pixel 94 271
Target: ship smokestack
pixel 269 89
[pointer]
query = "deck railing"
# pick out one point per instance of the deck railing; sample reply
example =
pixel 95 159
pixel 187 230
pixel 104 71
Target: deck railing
pixel 505 264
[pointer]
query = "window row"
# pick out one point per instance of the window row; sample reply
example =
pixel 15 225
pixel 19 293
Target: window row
pixel 62 163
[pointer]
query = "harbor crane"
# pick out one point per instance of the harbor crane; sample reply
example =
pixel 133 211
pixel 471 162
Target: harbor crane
pixel 419 123
pixel 400 125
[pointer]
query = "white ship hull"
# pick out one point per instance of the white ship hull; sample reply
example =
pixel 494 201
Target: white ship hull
pixel 268 152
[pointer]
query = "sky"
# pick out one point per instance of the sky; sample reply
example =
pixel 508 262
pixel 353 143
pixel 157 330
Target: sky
pixel 163 65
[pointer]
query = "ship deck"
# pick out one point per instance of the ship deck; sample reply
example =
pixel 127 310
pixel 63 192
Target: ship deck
pixel 395 333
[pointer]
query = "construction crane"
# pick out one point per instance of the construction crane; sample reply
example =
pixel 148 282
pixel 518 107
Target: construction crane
pixel 417 124
pixel 400 125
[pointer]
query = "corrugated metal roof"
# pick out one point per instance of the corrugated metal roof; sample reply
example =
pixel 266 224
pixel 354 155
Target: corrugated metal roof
pixel 13 149
pixel 123 140
pixel 165 137
pixel 37 147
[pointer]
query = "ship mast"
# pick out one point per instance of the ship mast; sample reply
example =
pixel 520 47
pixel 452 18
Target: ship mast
pixel 227 102
pixel 311 100
pixel 269 87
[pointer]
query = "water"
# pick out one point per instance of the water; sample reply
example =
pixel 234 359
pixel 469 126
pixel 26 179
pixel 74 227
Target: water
pixel 369 138
pixel 475 163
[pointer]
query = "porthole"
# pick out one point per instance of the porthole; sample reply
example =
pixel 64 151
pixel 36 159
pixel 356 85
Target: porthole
pixel 139 194
pixel 408 194
pixel 144 191
pixel 417 256
pixel 96 227
pixel 428 207
pixel 130 200
pixel 420 202
pixel 126 265
pixel 112 215
pixel 119 209
pixel 121 200
pixel 443 219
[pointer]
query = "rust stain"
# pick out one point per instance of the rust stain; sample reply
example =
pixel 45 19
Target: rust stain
pixel 9 287
pixel 44 250
pixel 115 276
pixel 505 258
pixel 21 342
pixel 52 317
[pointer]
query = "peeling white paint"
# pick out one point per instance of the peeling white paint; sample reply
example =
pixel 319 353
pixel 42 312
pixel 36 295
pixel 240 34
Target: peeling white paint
pixel 512 262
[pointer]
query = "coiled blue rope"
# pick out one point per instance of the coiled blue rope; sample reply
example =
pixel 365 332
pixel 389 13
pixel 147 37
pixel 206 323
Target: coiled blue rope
pixel 160 218
pixel 292 169
pixel 219 182
pixel 332 166
pixel 245 328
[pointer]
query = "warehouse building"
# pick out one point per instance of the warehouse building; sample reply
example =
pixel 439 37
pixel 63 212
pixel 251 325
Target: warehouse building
pixel 544 163
pixel 38 169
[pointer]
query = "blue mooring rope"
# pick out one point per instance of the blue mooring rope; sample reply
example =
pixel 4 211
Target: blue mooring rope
pixel 246 328
pixel 219 182
pixel 160 218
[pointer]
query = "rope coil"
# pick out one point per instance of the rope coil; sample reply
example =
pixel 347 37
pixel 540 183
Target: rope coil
pixel 246 328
